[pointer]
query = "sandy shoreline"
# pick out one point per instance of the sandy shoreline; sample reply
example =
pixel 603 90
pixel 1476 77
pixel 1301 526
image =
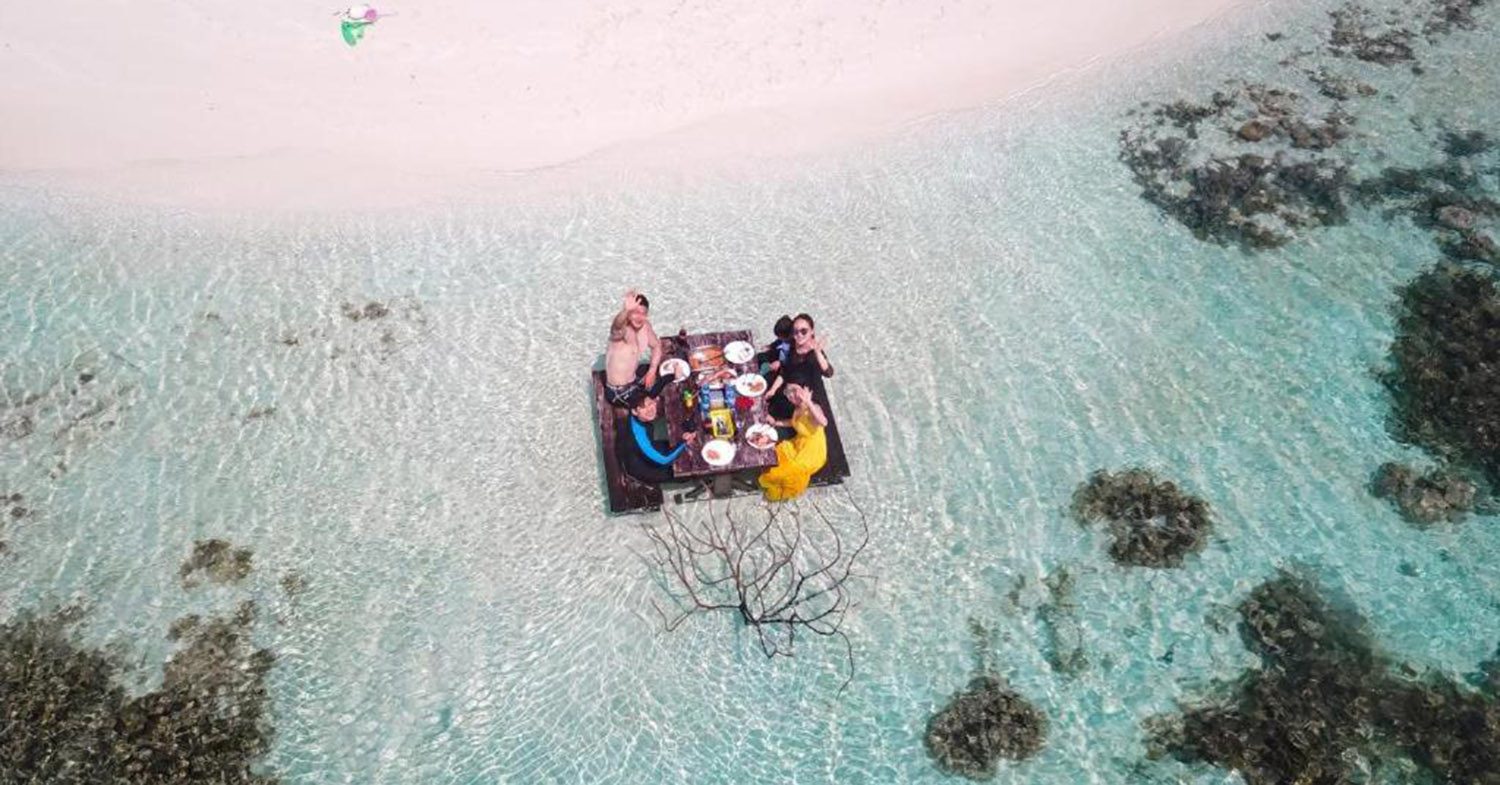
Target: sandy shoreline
pixel 260 105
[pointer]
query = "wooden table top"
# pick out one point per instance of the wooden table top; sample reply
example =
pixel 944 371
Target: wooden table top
pixel 690 463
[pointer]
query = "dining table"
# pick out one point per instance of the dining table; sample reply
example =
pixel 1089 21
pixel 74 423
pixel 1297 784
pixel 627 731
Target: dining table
pixel 691 464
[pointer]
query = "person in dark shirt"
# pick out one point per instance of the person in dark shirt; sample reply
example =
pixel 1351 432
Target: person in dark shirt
pixel 807 364
pixel 776 352
pixel 642 458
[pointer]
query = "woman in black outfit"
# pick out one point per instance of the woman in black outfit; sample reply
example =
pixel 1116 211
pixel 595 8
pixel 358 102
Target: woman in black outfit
pixel 808 366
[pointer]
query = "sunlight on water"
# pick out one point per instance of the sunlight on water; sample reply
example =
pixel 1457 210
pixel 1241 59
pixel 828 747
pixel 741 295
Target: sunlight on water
pixel 1007 315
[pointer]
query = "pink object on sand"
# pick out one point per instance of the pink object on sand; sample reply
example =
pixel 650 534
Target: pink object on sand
pixel 370 15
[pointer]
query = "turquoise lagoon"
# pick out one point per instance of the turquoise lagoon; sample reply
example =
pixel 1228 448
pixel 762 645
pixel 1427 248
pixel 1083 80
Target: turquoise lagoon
pixel 1006 313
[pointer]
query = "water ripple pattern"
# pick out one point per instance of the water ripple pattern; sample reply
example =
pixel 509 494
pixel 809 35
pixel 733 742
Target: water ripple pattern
pixel 396 409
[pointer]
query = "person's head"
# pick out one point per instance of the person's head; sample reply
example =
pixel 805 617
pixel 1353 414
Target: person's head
pixel 641 312
pixel 802 330
pixel 645 411
pixel 798 394
pixel 783 328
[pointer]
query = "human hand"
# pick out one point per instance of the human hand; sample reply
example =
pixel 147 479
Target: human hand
pixel 820 343
pixel 775 365
pixel 690 436
pixel 650 378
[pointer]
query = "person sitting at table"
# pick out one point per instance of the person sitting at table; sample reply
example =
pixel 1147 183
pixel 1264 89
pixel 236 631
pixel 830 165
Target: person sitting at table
pixel 798 458
pixel 806 365
pixel 626 379
pixel 776 352
pixel 642 458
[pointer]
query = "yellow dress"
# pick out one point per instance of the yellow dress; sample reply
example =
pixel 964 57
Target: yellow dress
pixel 797 460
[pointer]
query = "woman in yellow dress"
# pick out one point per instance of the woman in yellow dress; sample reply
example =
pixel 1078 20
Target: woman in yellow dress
pixel 798 458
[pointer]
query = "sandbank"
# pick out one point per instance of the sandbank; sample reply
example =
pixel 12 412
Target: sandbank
pixel 237 104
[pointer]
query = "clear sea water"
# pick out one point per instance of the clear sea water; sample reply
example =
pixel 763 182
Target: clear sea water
pixel 1006 315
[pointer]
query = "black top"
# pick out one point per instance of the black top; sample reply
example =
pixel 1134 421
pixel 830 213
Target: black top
pixel 803 369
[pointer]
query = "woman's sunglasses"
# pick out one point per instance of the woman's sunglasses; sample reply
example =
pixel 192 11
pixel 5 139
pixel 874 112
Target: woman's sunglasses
pixel 803 331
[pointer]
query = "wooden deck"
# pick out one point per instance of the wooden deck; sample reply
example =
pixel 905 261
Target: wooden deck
pixel 628 495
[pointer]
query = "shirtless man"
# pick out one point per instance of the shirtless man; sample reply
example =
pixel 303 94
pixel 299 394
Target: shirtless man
pixel 626 381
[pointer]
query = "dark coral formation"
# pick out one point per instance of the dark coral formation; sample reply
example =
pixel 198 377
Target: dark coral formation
pixel 1446 16
pixel 1257 173
pixel 1253 165
pixel 1153 523
pixel 1322 703
pixel 217 560
pixel 378 328
pixel 1357 33
pixel 1445 379
pixel 1387 40
pixel 1439 495
pixel 1450 198
pixel 371 310
pixel 67 720
pixel 983 724
pixel 12 508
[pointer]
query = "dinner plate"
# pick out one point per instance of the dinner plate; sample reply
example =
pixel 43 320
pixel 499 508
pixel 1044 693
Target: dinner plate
pixel 718 453
pixel 761 429
pixel 676 366
pixel 739 352
pixel 750 385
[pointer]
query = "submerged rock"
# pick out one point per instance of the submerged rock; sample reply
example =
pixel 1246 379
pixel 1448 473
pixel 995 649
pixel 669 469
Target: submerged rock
pixel 217 560
pixel 1445 379
pixel 1450 198
pixel 371 310
pixel 67 720
pixel 1186 159
pixel 1153 523
pixel 1425 498
pixel 1357 33
pixel 1322 705
pixel 983 724
pixel 1462 144
pixel 1058 617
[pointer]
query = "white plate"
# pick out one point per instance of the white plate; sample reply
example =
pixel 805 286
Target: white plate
pixel 739 352
pixel 761 428
pixel 724 450
pixel 676 366
pixel 751 385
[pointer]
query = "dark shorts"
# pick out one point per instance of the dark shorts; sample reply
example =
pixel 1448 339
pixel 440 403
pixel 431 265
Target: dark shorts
pixel 630 394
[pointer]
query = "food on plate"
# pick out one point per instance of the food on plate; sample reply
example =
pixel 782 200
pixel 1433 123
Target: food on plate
pixel 706 357
pixel 676 367
pixel 761 436
pixel 739 352
pixel 755 386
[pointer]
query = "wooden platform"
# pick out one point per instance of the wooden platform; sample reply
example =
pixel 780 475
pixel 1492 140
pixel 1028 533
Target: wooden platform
pixel 626 494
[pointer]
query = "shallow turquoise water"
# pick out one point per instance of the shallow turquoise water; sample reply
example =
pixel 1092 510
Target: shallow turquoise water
pixel 1007 315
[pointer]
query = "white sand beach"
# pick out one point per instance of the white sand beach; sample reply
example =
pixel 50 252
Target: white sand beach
pixel 228 104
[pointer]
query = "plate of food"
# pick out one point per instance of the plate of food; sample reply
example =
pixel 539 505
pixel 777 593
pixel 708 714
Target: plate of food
pixel 761 436
pixel 718 453
pixel 739 352
pixel 677 367
pixel 706 357
pixel 750 385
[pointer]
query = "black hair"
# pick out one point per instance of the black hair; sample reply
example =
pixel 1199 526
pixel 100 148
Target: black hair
pixel 783 328
pixel 802 317
pixel 641 300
